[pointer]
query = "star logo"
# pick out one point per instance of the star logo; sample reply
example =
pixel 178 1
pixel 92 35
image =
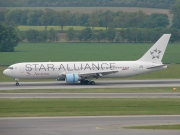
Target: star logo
pixel 155 53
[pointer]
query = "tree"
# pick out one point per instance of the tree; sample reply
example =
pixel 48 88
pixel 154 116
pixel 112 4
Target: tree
pixel 101 35
pixel 48 17
pixel 33 36
pixel 175 35
pixel 156 20
pixel 2 14
pixel 70 34
pixel 93 19
pixel 13 17
pixel 52 35
pixel 107 18
pixel 8 38
pixel 34 17
pixel 111 33
pixel 63 18
pixel 175 10
pixel 86 35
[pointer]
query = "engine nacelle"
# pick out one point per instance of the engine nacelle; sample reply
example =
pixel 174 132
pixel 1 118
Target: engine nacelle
pixel 72 78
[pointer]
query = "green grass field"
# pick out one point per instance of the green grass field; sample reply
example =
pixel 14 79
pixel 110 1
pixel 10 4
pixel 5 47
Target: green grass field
pixel 44 52
pixel 28 52
pixel 97 90
pixel 88 107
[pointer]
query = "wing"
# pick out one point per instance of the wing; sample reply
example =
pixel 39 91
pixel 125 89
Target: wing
pixel 94 74
pixel 97 74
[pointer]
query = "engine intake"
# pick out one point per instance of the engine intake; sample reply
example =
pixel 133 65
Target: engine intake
pixel 72 78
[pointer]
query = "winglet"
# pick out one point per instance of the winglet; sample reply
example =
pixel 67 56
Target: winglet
pixel 156 52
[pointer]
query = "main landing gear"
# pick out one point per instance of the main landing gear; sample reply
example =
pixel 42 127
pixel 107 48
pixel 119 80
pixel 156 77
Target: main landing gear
pixel 87 82
pixel 17 81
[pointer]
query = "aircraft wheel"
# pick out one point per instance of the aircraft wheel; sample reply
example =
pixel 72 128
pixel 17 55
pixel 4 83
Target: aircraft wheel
pixel 82 82
pixel 87 82
pixel 17 84
pixel 92 83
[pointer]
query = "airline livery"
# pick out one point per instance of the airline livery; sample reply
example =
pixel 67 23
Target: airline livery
pixel 85 72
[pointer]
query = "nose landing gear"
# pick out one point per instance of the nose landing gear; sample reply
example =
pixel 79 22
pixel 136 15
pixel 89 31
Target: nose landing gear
pixel 17 81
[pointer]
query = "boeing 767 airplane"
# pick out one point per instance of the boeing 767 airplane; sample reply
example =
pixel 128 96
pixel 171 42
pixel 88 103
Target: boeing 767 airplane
pixel 85 72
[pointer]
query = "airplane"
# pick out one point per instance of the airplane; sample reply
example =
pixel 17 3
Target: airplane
pixel 85 72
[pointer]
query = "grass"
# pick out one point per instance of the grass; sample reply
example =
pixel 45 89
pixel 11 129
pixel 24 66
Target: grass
pixel 28 52
pixel 155 127
pixel 96 90
pixel 87 107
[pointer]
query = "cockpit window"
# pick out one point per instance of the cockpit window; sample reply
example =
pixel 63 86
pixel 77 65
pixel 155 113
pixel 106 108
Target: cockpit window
pixel 11 68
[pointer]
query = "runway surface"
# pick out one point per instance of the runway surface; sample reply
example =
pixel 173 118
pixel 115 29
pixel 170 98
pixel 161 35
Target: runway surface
pixel 90 95
pixel 95 125
pixel 99 84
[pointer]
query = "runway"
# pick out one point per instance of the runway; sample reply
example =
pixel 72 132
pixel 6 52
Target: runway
pixel 90 95
pixel 97 125
pixel 99 84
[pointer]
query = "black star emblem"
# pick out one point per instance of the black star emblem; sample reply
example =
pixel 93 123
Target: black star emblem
pixel 153 57
pixel 151 52
pixel 155 53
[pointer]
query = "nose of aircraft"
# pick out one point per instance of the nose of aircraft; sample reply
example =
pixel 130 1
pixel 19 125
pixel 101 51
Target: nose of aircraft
pixel 5 72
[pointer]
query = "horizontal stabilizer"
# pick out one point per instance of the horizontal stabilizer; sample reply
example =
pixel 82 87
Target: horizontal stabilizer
pixel 156 66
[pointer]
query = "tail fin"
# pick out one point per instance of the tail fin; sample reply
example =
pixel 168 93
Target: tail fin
pixel 156 52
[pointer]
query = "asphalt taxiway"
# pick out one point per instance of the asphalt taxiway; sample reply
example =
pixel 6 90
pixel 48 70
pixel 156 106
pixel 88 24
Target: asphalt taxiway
pixel 93 125
pixel 99 84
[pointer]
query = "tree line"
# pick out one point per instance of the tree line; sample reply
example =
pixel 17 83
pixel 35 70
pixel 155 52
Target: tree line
pixel 10 36
pixel 132 27
pixel 88 3
pixel 130 35
pixel 49 17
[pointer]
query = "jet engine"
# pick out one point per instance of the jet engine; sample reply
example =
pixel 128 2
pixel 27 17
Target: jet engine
pixel 72 78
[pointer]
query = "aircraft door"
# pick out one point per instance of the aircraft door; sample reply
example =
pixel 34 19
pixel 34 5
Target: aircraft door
pixel 135 67
pixel 21 69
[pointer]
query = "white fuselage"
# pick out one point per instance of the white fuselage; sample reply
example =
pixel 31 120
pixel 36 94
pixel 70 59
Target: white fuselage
pixel 57 70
